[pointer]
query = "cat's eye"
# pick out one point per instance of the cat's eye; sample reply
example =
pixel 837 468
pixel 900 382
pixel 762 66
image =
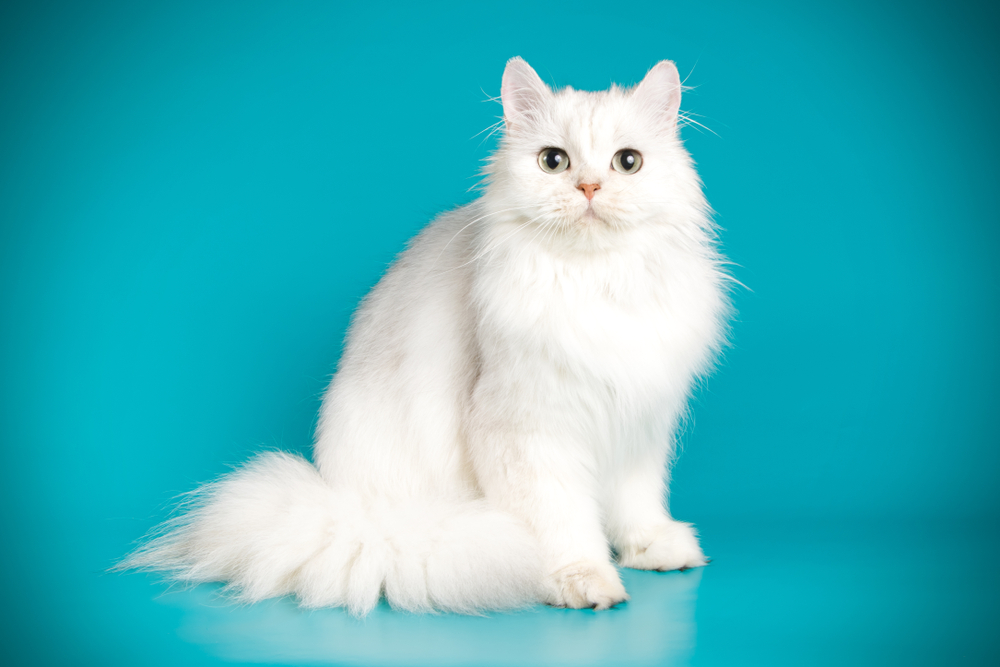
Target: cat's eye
pixel 627 161
pixel 553 160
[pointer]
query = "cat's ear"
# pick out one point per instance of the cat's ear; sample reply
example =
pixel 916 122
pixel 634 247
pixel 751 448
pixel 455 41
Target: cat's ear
pixel 523 94
pixel 660 91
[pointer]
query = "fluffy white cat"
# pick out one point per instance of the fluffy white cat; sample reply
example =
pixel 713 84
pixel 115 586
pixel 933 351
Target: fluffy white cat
pixel 502 420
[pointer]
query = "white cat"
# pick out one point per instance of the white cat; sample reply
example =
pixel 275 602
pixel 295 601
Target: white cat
pixel 502 420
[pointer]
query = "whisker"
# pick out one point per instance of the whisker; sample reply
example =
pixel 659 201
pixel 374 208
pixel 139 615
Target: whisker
pixel 541 228
pixel 492 128
pixel 684 120
pixel 493 246
pixel 474 221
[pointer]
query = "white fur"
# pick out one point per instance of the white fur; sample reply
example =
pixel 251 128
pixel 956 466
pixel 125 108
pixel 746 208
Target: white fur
pixel 503 417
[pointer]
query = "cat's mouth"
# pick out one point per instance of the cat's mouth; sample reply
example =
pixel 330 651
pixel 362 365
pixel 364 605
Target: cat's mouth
pixel 590 213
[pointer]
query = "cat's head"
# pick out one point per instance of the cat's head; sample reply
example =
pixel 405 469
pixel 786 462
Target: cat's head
pixel 593 162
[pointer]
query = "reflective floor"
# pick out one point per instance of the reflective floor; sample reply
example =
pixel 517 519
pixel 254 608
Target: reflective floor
pixel 785 593
pixel 657 628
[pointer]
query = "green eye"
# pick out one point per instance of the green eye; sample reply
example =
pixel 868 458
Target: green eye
pixel 553 160
pixel 627 161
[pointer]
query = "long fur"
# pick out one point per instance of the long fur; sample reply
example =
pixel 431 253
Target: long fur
pixel 275 527
pixel 503 416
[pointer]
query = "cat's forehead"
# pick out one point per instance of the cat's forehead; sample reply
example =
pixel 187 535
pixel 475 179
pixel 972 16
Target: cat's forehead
pixel 593 119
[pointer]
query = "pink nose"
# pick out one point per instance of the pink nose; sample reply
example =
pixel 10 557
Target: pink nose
pixel 589 189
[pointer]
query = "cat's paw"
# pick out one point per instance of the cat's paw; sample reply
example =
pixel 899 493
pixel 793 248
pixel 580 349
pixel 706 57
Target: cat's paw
pixel 585 584
pixel 673 546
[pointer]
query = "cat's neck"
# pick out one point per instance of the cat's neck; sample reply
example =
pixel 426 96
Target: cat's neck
pixel 591 239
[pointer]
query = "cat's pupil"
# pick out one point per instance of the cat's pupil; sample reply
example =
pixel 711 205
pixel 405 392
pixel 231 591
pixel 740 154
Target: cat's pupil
pixel 628 160
pixel 553 159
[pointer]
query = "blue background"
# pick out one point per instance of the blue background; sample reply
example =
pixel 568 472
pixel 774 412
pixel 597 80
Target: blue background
pixel 194 197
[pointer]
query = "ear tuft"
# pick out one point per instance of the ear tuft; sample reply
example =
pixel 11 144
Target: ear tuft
pixel 660 90
pixel 522 92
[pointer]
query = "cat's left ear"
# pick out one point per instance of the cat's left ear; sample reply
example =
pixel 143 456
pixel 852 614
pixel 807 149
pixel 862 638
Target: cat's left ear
pixel 523 94
pixel 660 91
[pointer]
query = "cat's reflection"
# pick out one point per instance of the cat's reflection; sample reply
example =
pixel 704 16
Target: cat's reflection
pixel 656 627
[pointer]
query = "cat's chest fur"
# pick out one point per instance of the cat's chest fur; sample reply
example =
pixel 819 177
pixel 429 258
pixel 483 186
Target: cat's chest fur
pixel 635 317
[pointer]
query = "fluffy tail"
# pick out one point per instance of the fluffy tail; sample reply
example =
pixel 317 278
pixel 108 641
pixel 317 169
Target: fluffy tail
pixel 275 527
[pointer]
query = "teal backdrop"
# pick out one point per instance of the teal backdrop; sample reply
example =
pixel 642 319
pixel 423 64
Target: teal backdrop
pixel 194 197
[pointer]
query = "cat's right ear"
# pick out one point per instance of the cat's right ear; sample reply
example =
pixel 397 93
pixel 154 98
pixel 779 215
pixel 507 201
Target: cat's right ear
pixel 523 94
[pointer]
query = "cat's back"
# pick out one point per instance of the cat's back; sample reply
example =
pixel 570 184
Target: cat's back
pixel 424 294
pixel 407 370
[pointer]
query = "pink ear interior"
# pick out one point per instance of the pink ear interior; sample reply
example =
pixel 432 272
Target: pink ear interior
pixel 522 92
pixel 661 90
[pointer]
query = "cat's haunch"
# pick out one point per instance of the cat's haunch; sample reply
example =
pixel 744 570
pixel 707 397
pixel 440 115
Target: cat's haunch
pixel 502 421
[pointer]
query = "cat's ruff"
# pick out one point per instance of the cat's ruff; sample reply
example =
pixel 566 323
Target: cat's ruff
pixel 502 419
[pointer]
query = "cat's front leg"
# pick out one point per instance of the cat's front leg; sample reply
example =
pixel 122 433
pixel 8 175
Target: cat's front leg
pixel 641 530
pixel 670 545
pixel 549 488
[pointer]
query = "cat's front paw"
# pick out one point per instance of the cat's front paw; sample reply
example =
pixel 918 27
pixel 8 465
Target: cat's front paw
pixel 673 546
pixel 585 584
